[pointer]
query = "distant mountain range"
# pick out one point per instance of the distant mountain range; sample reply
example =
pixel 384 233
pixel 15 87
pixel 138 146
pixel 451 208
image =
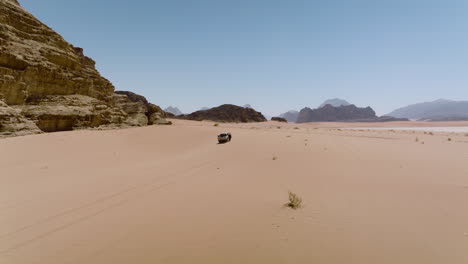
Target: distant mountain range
pixel 248 106
pixel 173 110
pixel 329 113
pixel 439 110
pixel 292 115
pixel 334 102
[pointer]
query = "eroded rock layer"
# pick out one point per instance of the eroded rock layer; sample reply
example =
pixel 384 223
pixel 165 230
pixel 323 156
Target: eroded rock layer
pixel 47 82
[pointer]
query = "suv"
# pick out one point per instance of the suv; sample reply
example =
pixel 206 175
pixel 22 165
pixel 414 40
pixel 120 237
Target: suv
pixel 224 137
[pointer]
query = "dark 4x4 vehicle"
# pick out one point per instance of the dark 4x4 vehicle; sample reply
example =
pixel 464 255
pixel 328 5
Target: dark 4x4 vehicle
pixel 224 137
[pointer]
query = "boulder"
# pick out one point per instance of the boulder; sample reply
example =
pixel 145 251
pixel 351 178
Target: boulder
pixel 279 119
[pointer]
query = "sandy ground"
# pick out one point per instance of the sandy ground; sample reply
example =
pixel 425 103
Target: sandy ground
pixel 171 194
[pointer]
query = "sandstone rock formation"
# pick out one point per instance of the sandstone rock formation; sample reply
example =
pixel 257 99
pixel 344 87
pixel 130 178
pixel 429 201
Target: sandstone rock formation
pixel 48 84
pixel 279 119
pixel 227 113
pixel 140 112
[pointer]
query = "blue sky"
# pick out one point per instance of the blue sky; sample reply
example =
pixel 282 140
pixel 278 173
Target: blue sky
pixel 276 55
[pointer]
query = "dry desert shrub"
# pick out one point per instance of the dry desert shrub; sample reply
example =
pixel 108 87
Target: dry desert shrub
pixel 416 140
pixel 296 128
pixel 449 139
pixel 274 158
pixel 295 202
pixel 216 124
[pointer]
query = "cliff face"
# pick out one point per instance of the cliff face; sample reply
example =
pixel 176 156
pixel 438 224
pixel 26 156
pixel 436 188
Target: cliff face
pixel 227 113
pixel 51 83
pixel 329 113
pixel 35 61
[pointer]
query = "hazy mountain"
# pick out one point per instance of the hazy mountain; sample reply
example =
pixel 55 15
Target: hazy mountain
pixel 335 102
pixel 173 110
pixel 437 110
pixel 204 108
pixel 291 116
pixel 248 106
pixel 329 113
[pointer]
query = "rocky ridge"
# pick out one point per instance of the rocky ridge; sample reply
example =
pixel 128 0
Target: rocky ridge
pixel 227 113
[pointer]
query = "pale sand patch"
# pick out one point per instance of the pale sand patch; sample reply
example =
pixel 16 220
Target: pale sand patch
pixel 171 194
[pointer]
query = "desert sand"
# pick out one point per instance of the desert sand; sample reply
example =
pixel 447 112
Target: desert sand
pixel 171 194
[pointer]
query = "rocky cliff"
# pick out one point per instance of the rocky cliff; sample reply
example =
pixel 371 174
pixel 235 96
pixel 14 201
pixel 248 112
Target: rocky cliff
pixel 227 113
pixel 329 113
pixel 49 84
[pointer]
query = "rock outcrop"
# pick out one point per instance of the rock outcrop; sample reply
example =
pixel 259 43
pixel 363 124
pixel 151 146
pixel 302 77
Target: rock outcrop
pixel 329 113
pixel 227 113
pixel 48 82
pixel 279 119
pixel 139 111
pixel 13 123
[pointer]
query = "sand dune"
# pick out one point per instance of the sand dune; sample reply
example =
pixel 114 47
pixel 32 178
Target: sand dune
pixel 173 195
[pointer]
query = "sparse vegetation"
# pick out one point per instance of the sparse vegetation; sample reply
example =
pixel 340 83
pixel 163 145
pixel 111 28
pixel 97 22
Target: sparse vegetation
pixel 216 124
pixel 466 135
pixel 274 158
pixel 416 139
pixel 296 128
pixel 295 202
pixel 449 139
pixel 430 133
